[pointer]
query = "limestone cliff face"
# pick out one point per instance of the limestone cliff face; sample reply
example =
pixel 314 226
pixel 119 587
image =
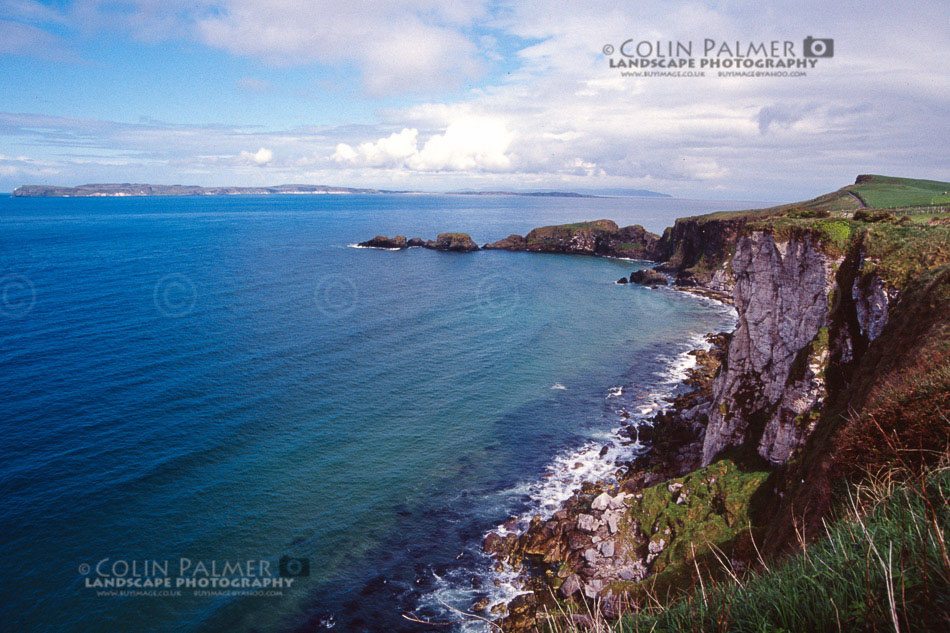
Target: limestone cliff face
pixel 803 315
pixel 773 374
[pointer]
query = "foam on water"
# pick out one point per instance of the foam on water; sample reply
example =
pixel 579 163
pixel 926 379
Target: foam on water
pixel 596 460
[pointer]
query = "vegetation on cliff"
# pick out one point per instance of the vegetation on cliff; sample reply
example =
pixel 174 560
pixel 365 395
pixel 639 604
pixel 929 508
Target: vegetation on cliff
pixel 846 298
pixel 881 566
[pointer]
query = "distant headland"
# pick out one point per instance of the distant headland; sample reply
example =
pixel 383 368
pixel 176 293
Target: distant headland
pixel 137 189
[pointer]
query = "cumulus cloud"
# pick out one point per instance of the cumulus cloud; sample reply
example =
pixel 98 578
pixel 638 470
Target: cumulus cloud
pixel 472 144
pixel 557 115
pixel 260 157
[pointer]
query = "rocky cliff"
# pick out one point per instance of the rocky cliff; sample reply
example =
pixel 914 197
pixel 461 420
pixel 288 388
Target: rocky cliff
pixel 840 363
pixel 773 377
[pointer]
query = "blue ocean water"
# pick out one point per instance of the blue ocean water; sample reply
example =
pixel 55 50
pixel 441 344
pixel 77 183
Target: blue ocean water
pixel 226 379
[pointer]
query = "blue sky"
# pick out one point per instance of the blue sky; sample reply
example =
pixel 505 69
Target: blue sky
pixel 448 94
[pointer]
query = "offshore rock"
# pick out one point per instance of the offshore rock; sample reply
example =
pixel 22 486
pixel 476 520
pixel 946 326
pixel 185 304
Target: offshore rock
pixel 510 243
pixel 381 241
pixel 648 277
pixel 454 242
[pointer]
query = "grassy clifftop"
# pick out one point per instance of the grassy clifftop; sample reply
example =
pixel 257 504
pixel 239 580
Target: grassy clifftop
pixel 716 541
pixel 905 224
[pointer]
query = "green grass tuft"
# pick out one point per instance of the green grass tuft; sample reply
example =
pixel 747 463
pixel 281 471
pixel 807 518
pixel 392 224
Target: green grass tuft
pixel 883 566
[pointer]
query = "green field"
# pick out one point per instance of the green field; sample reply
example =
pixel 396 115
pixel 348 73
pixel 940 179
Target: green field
pixel 886 191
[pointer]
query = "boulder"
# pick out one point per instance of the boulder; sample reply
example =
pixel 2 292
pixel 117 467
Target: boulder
pixel 648 277
pixel 601 502
pixel 618 502
pixel 416 241
pixel 577 540
pixel 587 523
pixel 454 242
pixel 622 280
pixel 591 556
pixel 571 586
pixel 522 613
pixel 492 543
pixel 381 241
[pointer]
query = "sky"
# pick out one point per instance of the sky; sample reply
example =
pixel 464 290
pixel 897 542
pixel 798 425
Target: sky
pixel 442 95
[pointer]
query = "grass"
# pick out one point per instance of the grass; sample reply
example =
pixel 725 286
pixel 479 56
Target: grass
pixel 899 252
pixel 883 565
pixel 887 191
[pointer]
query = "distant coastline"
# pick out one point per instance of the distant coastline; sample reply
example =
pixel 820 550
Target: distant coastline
pixel 119 190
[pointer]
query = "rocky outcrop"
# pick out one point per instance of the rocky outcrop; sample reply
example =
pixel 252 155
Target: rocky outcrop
pixel 510 243
pixel 455 242
pixel 599 237
pixel 648 277
pixel 605 538
pixel 697 250
pixel 773 376
pixel 381 241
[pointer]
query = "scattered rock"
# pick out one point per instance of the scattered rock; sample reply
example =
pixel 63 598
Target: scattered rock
pixel 622 280
pixel 492 543
pixel 577 540
pixel 602 502
pixel 593 588
pixel 618 502
pixel 587 523
pixel 591 556
pixel 571 586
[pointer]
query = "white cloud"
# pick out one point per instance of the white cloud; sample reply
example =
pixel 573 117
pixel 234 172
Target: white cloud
pixel 399 46
pixel 470 144
pixel 557 115
pixel 260 157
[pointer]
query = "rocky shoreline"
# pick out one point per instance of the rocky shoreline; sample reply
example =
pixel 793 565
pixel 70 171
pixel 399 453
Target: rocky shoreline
pixel 584 547
pixel 840 315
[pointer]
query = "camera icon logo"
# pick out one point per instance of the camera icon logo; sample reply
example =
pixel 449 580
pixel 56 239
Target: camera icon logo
pixel 818 47
pixel 290 567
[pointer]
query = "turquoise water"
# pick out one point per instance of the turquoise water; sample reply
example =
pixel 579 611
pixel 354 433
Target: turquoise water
pixel 224 379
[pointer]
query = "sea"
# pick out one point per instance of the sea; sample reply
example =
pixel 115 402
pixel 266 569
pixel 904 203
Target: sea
pixel 202 389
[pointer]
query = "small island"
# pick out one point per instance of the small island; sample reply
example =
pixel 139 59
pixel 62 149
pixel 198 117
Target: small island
pixel 121 190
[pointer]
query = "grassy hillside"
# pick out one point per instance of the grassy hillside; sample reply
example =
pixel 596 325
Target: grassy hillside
pixel 871 191
pixel 882 566
pixel 887 191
